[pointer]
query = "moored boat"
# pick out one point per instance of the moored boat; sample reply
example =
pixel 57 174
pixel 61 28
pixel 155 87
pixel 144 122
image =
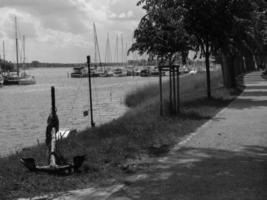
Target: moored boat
pixel 79 72
pixel 119 72
pixel 26 79
pixel 11 78
pixel 14 77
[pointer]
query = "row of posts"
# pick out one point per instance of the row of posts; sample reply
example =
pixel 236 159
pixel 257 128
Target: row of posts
pixel 174 87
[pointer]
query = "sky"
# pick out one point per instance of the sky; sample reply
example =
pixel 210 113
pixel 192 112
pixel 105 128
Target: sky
pixel 61 31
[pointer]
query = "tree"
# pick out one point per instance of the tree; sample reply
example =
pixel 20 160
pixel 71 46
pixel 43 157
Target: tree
pixel 224 26
pixel 232 28
pixel 161 32
pixel 243 40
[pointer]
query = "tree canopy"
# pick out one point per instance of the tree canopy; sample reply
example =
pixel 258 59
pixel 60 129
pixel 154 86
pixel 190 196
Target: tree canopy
pixel 161 31
pixel 207 26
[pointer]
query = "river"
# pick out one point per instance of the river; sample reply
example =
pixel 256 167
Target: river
pixel 24 109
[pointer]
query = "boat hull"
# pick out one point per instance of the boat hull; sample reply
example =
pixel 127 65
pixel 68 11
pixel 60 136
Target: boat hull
pixel 75 75
pixel 19 80
pixel 27 82
pixel 11 81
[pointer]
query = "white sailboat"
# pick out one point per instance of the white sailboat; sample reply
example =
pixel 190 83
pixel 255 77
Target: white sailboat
pixel 108 58
pixel 100 69
pixel 15 78
pixel 120 71
pixel 25 79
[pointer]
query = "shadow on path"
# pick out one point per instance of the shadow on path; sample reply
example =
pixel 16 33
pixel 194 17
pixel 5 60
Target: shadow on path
pixel 246 103
pixel 207 174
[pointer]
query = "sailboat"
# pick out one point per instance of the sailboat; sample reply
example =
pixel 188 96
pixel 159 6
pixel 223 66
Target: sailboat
pixel 15 78
pixel 108 59
pixel 25 79
pixel 95 71
pixel 100 70
pixel 119 71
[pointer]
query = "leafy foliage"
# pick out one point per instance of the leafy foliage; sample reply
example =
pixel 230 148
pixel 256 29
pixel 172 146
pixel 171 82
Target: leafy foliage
pixel 161 31
pixel 207 26
pixel 171 26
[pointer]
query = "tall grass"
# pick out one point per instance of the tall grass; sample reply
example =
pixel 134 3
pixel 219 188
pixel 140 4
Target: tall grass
pixel 188 84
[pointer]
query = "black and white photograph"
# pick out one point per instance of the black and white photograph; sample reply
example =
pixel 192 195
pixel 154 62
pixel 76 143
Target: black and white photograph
pixel 133 99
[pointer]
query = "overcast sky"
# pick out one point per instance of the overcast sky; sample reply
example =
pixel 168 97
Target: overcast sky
pixel 62 30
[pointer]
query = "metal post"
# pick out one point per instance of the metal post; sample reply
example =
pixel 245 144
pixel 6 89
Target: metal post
pixel 90 91
pixel 178 89
pixel 170 71
pixel 160 91
pixel 174 91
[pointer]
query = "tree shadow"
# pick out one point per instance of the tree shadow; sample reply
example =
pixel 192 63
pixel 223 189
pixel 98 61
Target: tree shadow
pixel 246 103
pixel 254 93
pixel 193 116
pixel 212 102
pixel 264 76
pixel 202 173
pixel 258 87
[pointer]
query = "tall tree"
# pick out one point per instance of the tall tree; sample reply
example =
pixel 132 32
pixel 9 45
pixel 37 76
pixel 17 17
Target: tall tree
pixel 209 26
pixel 243 39
pixel 161 33
pixel 224 25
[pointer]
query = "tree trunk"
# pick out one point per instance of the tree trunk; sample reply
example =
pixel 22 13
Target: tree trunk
pixel 228 71
pixel 207 60
pixel 232 71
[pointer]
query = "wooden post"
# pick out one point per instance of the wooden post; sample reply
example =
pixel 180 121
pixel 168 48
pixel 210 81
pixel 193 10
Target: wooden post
pixel 178 90
pixel 90 91
pixel 174 91
pixel 160 91
pixel 170 72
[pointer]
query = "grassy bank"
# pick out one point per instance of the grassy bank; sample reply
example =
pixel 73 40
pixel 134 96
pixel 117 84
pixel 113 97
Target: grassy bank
pixel 140 131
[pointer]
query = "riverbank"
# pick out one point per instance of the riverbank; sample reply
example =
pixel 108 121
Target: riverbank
pixel 24 109
pixel 141 131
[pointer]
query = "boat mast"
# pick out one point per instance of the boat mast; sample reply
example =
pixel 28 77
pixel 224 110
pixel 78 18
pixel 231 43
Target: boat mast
pixel 117 49
pixel 95 58
pixel 126 54
pixel 106 51
pixel 4 56
pixel 17 51
pixel 108 58
pixel 97 51
pixel 24 57
pixel 122 50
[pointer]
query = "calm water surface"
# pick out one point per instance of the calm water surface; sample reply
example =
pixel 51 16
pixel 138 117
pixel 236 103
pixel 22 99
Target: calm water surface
pixel 24 109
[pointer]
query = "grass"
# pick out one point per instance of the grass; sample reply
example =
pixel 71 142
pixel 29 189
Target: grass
pixel 140 131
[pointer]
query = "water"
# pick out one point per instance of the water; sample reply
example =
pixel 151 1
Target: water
pixel 24 109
